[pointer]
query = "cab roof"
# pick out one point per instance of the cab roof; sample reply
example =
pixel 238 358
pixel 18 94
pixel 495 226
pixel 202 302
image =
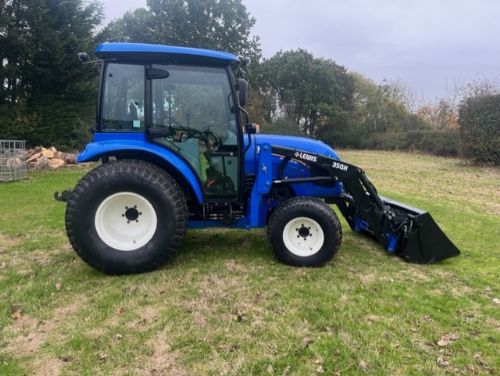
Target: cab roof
pixel 158 52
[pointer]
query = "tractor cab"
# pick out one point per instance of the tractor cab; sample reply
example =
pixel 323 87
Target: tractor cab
pixel 183 100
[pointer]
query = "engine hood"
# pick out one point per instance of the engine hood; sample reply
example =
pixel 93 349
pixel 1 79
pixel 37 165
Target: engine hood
pixel 293 142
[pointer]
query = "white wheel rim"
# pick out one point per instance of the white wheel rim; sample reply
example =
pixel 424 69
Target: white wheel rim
pixel 303 236
pixel 125 221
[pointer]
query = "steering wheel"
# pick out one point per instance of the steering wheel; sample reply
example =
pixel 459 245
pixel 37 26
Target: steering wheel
pixel 210 139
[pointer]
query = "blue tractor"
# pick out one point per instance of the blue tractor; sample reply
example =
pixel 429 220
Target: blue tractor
pixel 178 152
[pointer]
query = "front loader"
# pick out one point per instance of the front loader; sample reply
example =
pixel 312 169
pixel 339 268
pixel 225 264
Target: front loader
pixel 178 152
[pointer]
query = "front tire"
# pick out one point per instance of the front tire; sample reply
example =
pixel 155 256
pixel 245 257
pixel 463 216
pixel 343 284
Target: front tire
pixel 126 217
pixel 304 231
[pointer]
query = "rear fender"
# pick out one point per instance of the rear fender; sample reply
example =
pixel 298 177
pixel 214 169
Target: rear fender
pixel 141 149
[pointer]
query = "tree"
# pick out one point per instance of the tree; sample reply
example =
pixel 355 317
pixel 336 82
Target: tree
pixel 314 94
pixel 13 38
pixel 47 96
pixel 381 108
pixel 440 116
pixel 213 24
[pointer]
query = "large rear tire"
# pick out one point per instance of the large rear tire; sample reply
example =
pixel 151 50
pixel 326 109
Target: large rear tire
pixel 304 231
pixel 126 217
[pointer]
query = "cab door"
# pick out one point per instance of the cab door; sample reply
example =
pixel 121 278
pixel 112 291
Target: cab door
pixel 193 113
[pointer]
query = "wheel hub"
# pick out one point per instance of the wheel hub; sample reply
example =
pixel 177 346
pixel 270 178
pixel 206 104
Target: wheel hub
pixel 125 221
pixel 303 236
pixel 303 232
pixel 132 214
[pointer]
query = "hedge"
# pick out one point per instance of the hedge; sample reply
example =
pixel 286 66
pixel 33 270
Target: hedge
pixel 479 124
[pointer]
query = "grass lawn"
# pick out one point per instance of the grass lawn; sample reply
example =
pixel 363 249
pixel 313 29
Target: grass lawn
pixel 225 306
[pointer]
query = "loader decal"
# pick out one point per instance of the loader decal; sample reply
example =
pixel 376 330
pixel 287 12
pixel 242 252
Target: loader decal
pixel 306 157
pixel 340 166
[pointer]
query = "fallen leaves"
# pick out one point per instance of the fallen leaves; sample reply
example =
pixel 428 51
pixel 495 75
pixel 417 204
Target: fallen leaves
pixel 444 341
pixel 103 356
pixel 15 312
pixel 307 341
pixel 318 367
pixel 239 316
pixel 66 358
pixel 363 365
pixel 442 361
pixel 447 339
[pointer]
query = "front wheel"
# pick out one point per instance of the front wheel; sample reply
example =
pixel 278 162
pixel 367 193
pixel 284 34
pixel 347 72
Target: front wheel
pixel 304 231
pixel 126 217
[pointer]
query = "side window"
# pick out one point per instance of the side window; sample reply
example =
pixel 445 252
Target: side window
pixel 194 106
pixel 123 102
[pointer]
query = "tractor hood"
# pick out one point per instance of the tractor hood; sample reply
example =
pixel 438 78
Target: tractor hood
pixel 301 143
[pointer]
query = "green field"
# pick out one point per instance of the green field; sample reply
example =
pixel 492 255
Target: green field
pixel 224 306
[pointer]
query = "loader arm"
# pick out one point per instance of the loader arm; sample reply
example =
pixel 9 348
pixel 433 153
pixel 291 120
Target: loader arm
pixel 409 232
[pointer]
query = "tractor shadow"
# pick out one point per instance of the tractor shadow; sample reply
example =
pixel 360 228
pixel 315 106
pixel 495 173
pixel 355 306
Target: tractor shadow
pixel 225 244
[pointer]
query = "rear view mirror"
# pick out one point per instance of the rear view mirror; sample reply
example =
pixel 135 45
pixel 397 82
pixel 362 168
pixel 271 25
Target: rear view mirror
pixel 83 57
pixel 242 91
pixel 156 73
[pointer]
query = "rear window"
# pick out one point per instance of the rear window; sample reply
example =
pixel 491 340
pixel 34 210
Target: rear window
pixel 123 102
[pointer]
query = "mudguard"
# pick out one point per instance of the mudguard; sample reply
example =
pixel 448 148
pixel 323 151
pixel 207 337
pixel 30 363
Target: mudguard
pixel 109 143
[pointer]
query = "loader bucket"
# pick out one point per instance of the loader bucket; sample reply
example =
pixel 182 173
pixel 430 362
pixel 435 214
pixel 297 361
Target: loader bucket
pixel 422 242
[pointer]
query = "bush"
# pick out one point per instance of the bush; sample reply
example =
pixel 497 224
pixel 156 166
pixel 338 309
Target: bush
pixel 479 124
pixel 444 143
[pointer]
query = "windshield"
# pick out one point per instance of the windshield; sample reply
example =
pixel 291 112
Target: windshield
pixel 196 100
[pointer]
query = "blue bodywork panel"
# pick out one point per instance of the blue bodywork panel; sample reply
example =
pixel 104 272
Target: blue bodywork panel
pixel 112 142
pixel 259 160
pixel 259 198
pixel 301 143
pixel 105 49
pixel 293 169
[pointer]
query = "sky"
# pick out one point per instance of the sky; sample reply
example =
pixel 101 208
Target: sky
pixel 432 47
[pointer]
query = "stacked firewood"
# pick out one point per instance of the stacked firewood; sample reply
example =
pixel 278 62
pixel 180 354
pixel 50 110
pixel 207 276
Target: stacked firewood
pixel 40 157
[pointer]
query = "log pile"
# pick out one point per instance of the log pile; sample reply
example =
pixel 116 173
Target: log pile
pixel 40 157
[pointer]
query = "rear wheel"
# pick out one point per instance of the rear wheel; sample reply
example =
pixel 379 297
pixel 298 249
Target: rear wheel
pixel 126 217
pixel 304 231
